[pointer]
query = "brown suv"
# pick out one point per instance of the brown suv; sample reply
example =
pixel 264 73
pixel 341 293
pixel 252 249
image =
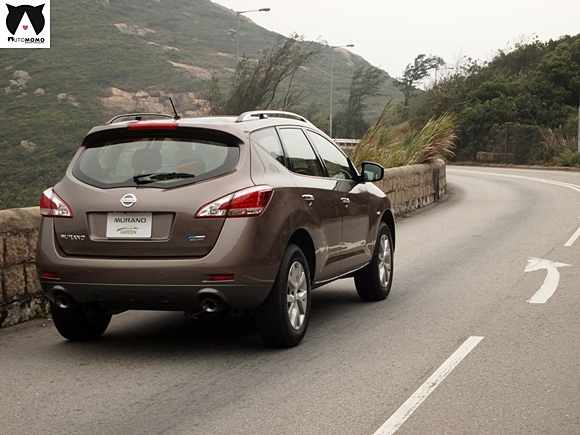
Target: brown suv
pixel 245 214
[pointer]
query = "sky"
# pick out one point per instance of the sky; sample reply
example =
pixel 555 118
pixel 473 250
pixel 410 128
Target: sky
pixel 390 34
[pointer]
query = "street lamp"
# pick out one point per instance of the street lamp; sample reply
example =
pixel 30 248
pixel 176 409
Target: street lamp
pixel 332 47
pixel 238 13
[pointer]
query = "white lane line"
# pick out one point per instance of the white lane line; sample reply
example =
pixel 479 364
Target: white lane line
pixel 522 177
pixel 550 283
pixel 575 187
pixel 572 239
pixel 419 396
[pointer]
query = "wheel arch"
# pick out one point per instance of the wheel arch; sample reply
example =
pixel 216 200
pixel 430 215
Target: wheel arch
pixel 389 219
pixel 302 239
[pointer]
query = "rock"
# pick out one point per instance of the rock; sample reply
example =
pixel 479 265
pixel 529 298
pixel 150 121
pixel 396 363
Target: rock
pixel 28 145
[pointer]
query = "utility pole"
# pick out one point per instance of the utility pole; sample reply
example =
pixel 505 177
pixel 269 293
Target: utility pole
pixel 238 13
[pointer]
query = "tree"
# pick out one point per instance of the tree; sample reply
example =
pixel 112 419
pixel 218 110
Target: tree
pixel 416 72
pixel 365 82
pixel 534 89
pixel 257 83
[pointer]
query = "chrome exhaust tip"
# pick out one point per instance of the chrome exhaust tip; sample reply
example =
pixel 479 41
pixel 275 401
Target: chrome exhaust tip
pixel 211 305
pixel 62 301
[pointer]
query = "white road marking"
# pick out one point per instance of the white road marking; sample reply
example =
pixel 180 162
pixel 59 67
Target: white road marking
pixel 550 283
pixel 419 396
pixel 541 180
pixel 575 187
pixel 572 239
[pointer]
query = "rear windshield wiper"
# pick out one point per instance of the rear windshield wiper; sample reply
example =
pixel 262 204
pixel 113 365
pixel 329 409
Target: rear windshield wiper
pixel 151 178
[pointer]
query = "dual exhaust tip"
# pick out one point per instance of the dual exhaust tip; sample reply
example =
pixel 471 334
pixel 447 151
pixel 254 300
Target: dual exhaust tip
pixel 209 304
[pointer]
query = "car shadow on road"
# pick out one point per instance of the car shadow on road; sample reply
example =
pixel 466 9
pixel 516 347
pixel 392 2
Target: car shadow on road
pixel 150 332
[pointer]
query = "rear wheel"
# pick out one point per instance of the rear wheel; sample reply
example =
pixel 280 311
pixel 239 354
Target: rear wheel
pixel 80 322
pixel 283 317
pixel 373 283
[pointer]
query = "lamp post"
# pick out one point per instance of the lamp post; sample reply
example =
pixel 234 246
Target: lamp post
pixel 238 13
pixel 332 47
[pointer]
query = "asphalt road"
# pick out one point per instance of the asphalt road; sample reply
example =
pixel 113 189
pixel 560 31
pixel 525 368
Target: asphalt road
pixel 363 368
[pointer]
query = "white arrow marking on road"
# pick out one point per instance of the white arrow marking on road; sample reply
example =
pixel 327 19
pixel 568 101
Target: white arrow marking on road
pixel 550 283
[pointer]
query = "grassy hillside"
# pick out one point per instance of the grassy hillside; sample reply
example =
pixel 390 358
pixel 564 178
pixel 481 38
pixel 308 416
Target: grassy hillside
pixel 520 107
pixel 115 56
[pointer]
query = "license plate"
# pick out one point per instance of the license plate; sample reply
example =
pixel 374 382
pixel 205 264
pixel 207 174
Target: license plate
pixel 129 225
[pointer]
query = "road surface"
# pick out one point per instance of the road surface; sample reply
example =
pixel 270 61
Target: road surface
pixel 459 346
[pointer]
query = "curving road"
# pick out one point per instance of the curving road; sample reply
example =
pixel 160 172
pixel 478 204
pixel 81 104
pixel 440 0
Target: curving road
pixel 461 346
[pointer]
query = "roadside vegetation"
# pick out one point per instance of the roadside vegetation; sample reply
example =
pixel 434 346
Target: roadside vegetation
pixel 394 145
pixel 521 107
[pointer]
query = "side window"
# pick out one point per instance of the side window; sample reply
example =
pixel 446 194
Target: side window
pixel 268 139
pixel 302 157
pixel 336 163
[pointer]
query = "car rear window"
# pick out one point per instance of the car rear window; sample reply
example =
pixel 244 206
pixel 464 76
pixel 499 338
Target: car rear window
pixel 157 161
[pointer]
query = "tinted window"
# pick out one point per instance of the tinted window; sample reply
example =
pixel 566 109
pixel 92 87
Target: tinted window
pixel 336 162
pixel 127 162
pixel 302 157
pixel 268 139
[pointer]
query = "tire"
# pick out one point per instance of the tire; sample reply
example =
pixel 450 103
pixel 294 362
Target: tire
pixel 282 318
pixel 79 322
pixel 373 283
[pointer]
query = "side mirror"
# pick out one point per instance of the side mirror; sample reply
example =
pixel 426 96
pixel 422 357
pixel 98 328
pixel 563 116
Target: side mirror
pixel 372 171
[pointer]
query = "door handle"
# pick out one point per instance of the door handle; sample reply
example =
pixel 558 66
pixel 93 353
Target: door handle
pixel 345 201
pixel 307 197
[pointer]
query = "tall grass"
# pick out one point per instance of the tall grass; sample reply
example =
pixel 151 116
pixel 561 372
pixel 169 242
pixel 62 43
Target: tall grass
pixel 400 145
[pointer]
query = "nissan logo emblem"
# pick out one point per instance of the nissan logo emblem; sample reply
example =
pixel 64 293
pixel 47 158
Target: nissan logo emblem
pixel 128 200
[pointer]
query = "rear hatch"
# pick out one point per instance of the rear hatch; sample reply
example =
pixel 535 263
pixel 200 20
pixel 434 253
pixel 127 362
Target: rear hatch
pixel 135 193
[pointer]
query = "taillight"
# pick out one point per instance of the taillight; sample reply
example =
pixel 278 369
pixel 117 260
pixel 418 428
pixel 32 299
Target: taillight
pixel 244 203
pixel 51 205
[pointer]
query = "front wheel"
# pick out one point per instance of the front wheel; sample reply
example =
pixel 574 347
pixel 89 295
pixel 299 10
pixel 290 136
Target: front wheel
pixel 282 318
pixel 80 322
pixel 373 283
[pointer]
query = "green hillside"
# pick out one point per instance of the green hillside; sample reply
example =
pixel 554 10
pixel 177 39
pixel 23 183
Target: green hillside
pixel 116 56
pixel 521 107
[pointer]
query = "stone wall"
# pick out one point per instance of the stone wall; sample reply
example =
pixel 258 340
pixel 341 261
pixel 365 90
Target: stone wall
pixel 20 295
pixel 408 187
pixel 414 186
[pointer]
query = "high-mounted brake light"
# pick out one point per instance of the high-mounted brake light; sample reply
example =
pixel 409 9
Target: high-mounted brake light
pixel 152 126
pixel 51 205
pixel 243 203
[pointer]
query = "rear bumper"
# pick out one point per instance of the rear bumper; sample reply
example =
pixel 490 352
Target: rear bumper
pixel 166 283
pixel 121 297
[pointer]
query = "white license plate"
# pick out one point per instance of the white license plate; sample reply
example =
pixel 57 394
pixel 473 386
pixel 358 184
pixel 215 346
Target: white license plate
pixel 129 225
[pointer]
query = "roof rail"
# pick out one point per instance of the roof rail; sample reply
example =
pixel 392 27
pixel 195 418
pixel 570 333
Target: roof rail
pixel 137 117
pixel 264 114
